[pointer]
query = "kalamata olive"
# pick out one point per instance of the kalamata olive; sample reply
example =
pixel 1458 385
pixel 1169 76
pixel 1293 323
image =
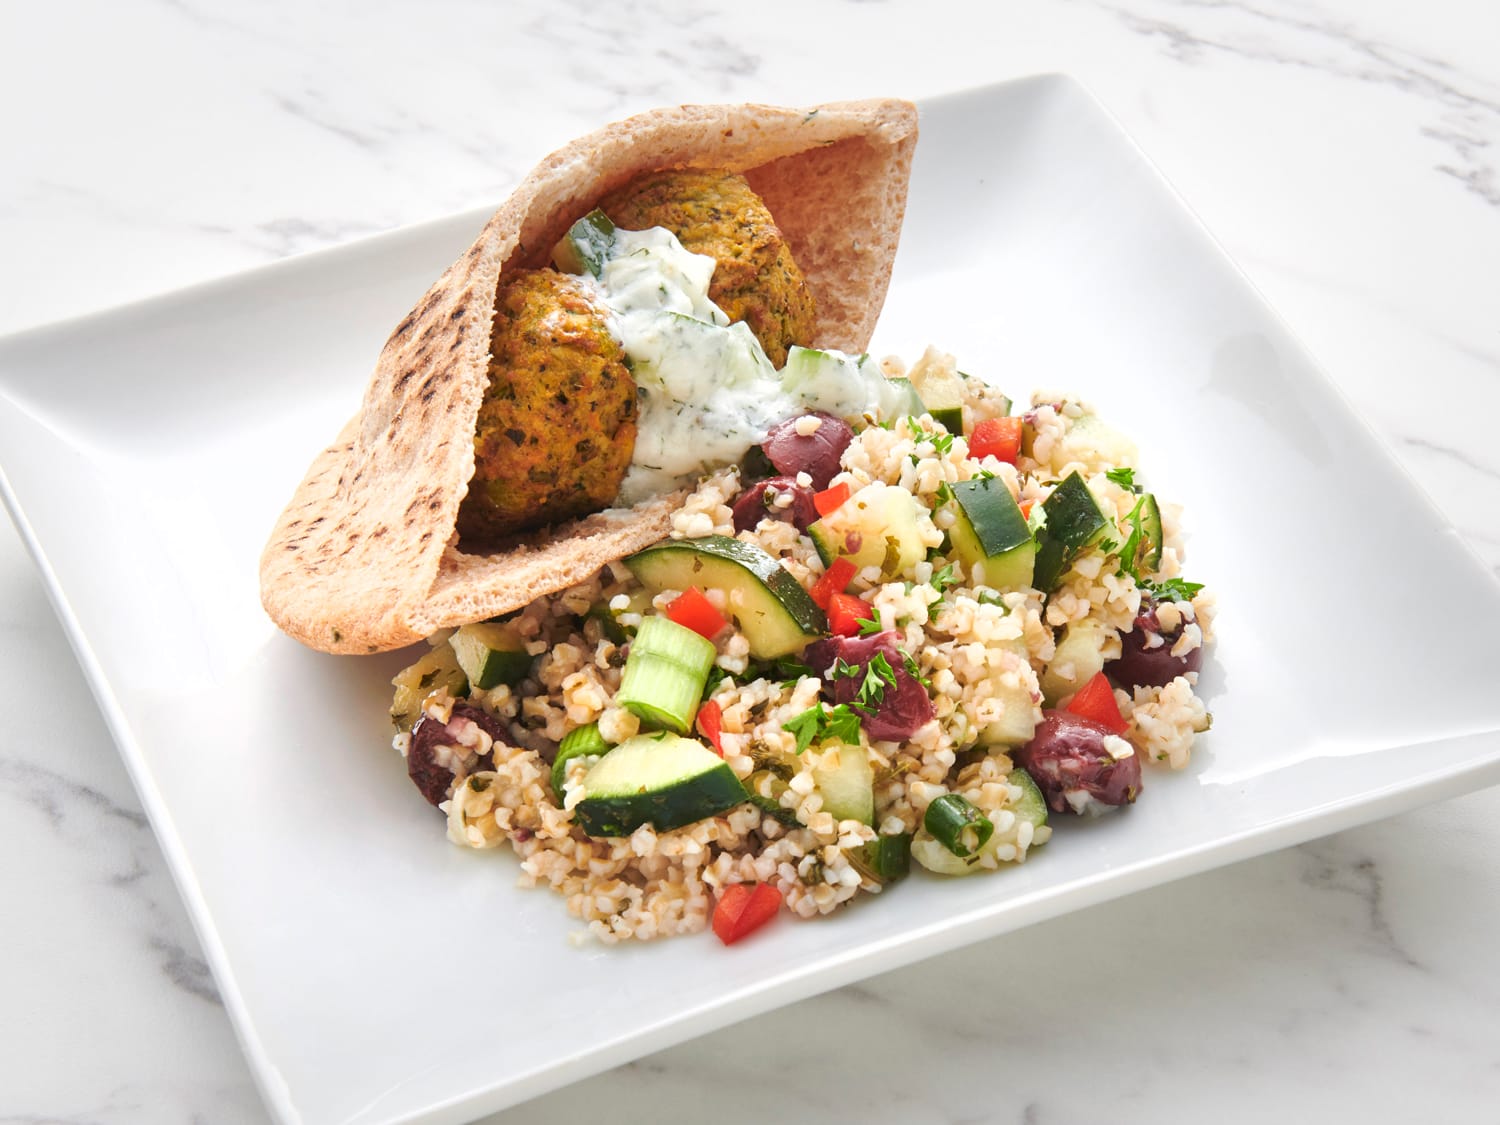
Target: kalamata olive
pixel 424 761
pixel 816 454
pixel 904 706
pixel 1145 663
pixel 780 498
pixel 1068 759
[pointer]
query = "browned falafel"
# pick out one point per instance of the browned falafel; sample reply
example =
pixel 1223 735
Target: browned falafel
pixel 556 428
pixel 715 212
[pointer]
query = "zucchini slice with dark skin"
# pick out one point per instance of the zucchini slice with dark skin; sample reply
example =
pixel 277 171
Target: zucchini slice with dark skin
pixel 657 779
pixel 990 529
pixel 1074 521
pixel 771 608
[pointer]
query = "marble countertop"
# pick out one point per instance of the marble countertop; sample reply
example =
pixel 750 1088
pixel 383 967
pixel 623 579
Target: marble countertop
pixel 1343 152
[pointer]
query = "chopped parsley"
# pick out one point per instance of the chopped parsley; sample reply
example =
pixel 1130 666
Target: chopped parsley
pixel 942 579
pixel 1174 589
pixel 914 670
pixel 868 627
pixel 817 722
pixel 842 669
pixel 1124 477
pixel 878 674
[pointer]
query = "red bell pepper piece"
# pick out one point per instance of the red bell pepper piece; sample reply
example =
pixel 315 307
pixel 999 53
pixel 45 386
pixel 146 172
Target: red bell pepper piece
pixel 996 437
pixel 711 723
pixel 1096 701
pixel 1026 506
pixel 846 613
pixel 743 908
pixel 830 498
pixel 694 611
pixel 834 581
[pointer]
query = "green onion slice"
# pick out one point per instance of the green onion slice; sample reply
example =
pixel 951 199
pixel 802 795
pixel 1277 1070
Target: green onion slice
pixel 956 824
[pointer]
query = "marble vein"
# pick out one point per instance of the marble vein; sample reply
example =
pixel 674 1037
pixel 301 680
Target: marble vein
pixel 1467 107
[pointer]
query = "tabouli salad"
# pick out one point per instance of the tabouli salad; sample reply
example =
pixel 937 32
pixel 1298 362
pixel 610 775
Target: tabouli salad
pixel 877 643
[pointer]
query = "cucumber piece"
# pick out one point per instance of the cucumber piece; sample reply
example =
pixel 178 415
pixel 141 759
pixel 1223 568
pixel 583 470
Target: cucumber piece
pixel 989 530
pixel 768 605
pixel 437 669
pixel 906 402
pixel 885 858
pixel 577 743
pixel 846 781
pixel 850 386
pixel 1143 544
pixel 1017 721
pixel 1075 661
pixel 942 393
pixel 657 779
pixel 876 526
pixel 491 653
pixel 1073 522
pixel 1032 806
pixel 665 673
pixel 589 243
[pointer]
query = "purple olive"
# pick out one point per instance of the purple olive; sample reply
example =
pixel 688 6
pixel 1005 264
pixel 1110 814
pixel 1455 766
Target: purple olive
pixel 1067 759
pixel 1145 663
pixel 816 454
pixel 904 706
pixel 780 498
pixel 431 777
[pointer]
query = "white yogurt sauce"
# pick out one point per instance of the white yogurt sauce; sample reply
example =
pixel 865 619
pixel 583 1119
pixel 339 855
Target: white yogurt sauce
pixel 706 391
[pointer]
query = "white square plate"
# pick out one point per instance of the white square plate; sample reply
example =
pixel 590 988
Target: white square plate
pixel 376 973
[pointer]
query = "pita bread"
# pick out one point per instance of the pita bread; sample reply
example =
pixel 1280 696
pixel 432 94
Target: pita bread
pixel 365 557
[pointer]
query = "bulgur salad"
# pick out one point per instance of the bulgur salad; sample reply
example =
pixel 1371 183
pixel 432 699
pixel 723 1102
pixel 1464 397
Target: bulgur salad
pixel 928 629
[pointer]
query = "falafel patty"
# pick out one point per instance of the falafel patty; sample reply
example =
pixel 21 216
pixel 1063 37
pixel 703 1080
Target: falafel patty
pixel 556 429
pixel 715 212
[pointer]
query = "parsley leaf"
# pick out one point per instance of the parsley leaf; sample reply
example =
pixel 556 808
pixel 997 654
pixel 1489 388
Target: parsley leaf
pixel 868 627
pixel 1124 477
pixel 843 724
pixel 942 579
pixel 1175 589
pixel 914 670
pixel 805 726
pixel 843 669
pixel 878 673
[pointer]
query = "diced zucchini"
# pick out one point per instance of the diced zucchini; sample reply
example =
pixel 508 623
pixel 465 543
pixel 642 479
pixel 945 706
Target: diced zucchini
pixel 876 526
pixel 942 393
pixel 1076 660
pixel 1145 538
pixel 1073 522
pixel 1019 716
pixel 658 779
pixel 989 530
pixel 491 653
pixel 1032 806
pixel 580 742
pixel 885 858
pixel 588 244
pixel 846 781
pixel 664 674
pixel 437 669
pixel 770 606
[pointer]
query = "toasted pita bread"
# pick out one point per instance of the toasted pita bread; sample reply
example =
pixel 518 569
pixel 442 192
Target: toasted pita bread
pixel 365 557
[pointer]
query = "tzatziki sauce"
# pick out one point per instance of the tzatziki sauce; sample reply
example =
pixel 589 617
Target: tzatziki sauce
pixel 706 392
